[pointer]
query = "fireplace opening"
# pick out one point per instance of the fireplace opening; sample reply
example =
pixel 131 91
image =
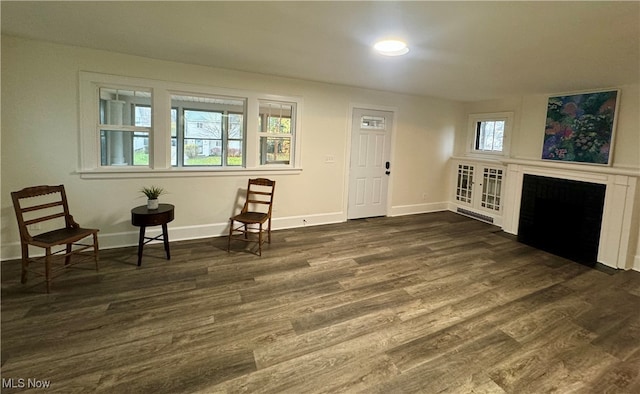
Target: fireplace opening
pixel 562 216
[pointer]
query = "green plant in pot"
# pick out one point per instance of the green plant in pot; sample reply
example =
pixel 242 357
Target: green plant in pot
pixel 152 193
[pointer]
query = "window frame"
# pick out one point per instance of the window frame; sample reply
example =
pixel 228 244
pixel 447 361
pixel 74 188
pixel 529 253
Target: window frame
pixel 129 130
pixel 263 131
pixel 181 106
pixel 160 139
pixel 475 119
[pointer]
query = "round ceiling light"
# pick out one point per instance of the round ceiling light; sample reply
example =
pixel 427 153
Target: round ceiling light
pixel 391 47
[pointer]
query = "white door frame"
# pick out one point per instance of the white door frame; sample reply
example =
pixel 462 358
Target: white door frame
pixel 352 106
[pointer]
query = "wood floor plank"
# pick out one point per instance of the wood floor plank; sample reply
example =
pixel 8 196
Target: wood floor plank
pixel 530 367
pixel 433 303
pixel 319 371
pixel 618 377
pixel 349 311
pixel 616 340
pixel 174 372
pixel 283 349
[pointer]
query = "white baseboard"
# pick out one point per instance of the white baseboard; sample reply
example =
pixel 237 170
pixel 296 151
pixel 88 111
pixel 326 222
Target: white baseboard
pixel 401 210
pixel 130 238
pixel 309 220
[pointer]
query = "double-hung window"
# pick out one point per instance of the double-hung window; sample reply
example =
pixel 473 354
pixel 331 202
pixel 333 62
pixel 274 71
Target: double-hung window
pixel 129 125
pixel 276 129
pixel 124 126
pixel 489 134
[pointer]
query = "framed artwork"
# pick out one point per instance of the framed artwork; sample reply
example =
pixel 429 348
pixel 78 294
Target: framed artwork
pixel 580 127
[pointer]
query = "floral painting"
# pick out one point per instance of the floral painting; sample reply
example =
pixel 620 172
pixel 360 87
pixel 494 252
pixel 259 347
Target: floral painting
pixel 580 127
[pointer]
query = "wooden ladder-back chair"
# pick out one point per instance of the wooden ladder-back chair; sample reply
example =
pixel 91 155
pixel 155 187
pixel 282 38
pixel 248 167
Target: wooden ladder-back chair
pixel 255 212
pixel 46 207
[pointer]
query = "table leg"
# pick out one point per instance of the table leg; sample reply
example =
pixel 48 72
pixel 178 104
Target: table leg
pixel 140 245
pixel 165 236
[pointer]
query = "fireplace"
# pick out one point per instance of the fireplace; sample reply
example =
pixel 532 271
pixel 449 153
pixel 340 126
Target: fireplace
pixel 562 216
pixel 618 230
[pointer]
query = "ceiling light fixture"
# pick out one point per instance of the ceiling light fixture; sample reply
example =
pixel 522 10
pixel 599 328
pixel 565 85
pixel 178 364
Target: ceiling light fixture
pixel 391 47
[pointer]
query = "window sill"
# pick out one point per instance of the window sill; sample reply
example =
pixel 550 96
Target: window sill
pixel 122 173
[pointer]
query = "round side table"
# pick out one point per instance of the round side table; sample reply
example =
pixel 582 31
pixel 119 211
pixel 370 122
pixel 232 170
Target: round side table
pixel 143 217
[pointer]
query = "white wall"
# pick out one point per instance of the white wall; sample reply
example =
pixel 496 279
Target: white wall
pixel 40 146
pixel 530 117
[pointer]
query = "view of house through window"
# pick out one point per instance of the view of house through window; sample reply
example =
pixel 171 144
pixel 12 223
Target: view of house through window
pixel 207 131
pixel 276 130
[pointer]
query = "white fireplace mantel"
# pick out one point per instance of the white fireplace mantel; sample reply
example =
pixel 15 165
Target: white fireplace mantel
pixel 618 238
pixel 562 166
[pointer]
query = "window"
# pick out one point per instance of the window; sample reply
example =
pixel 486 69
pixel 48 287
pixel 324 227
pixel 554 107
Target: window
pixel 235 138
pixel 130 125
pixel 174 137
pixel 208 132
pixel 488 133
pixel 373 122
pixel 142 118
pixel 124 124
pixel 276 131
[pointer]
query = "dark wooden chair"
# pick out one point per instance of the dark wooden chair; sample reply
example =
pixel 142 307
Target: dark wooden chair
pixel 46 207
pixel 255 213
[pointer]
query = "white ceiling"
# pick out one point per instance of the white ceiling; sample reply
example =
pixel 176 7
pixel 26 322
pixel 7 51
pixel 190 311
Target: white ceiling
pixel 459 50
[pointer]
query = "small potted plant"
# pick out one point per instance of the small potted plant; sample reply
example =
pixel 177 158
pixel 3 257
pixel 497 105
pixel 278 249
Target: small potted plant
pixel 152 193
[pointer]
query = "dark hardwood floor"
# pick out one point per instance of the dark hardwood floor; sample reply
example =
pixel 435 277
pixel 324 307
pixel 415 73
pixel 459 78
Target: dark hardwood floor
pixel 427 303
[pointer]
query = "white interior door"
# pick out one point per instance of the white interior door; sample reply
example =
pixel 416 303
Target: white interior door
pixel 370 168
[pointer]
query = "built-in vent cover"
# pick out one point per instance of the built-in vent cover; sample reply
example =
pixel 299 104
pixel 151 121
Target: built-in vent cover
pixel 475 215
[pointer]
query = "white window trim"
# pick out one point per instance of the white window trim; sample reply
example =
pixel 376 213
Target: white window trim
pixel 160 134
pixel 471 136
pixel 292 136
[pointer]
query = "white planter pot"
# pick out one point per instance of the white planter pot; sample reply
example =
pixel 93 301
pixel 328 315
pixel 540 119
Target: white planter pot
pixel 152 204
